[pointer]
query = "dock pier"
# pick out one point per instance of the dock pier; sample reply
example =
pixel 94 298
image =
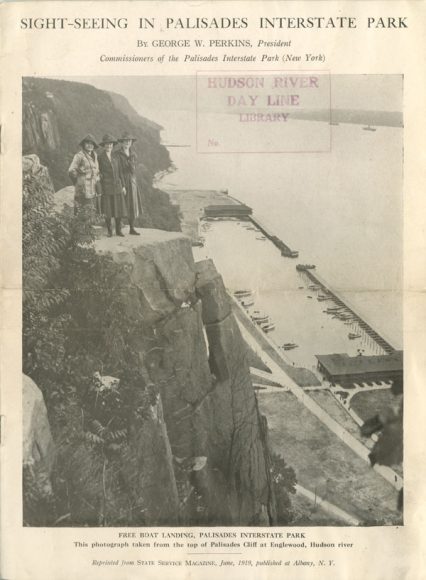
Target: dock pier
pixel 385 344
pixel 285 250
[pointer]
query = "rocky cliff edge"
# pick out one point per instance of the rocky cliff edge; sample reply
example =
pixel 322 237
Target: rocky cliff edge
pixel 197 358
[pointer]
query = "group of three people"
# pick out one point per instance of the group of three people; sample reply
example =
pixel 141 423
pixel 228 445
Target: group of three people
pixel 107 180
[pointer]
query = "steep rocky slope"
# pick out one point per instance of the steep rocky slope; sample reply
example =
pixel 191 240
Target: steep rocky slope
pixel 145 377
pixel 192 352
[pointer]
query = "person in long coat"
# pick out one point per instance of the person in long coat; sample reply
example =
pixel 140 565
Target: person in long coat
pixel 84 173
pixel 113 186
pixel 127 162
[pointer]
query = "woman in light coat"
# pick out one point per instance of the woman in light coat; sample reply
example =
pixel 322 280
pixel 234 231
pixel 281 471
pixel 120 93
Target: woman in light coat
pixel 84 173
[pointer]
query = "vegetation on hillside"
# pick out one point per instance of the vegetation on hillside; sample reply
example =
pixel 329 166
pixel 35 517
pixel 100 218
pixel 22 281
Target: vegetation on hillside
pixel 76 329
pixel 284 483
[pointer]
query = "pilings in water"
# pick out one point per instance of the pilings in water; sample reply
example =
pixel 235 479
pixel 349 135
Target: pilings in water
pixel 387 347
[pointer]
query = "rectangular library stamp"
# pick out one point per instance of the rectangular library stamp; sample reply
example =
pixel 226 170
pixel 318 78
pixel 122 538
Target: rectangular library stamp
pixel 263 112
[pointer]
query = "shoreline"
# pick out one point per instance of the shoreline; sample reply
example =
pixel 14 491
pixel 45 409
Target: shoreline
pixel 224 203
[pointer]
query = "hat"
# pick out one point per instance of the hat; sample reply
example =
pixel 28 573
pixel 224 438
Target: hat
pixel 108 138
pixel 90 138
pixel 126 136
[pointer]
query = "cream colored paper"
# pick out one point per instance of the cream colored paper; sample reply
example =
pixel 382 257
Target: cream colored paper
pixel 375 553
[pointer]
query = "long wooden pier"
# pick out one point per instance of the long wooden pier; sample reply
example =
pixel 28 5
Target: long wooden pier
pixel 285 250
pixel 379 339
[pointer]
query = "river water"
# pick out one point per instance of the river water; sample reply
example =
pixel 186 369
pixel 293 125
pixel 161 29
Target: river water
pixel 342 210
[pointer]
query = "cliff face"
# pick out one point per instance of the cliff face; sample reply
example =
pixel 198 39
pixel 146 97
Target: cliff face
pixel 145 376
pixel 196 453
pixel 57 114
pixel 197 358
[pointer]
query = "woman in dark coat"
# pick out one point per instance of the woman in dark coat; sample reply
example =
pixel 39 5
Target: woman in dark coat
pixel 113 186
pixel 127 162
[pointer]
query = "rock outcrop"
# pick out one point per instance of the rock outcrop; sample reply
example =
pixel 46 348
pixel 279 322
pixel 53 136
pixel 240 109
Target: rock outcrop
pixel 34 170
pixel 38 447
pixel 210 409
pixel 38 456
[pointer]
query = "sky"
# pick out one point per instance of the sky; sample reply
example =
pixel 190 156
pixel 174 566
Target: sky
pixel 150 95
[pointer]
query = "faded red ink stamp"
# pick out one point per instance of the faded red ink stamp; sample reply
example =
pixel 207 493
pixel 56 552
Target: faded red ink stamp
pixel 263 112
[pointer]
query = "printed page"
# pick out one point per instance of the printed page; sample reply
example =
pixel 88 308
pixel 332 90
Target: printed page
pixel 213 274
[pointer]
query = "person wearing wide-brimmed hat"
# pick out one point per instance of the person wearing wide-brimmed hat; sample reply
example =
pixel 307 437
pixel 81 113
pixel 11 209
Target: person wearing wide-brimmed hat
pixel 84 173
pixel 127 162
pixel 113 186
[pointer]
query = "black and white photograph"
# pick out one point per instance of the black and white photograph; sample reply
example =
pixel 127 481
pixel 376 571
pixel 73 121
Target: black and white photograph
pixel 212 274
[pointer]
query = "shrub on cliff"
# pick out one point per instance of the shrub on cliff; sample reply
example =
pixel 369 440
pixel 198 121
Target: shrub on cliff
pixel 75 325
pixel 45 235
pixel 284 483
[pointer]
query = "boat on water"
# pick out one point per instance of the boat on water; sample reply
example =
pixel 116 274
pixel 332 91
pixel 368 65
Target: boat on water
pixel 369 128
pixel 302 267
pixel 308 296
pixel 289 345
pixel 322 297
pixel 342 315
pixel 353 335
pixel 243 293
pixel 314 287
pixel 268 327
pixel 301 287
pixel 260 319
pixel 247 303
pixel 262 238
